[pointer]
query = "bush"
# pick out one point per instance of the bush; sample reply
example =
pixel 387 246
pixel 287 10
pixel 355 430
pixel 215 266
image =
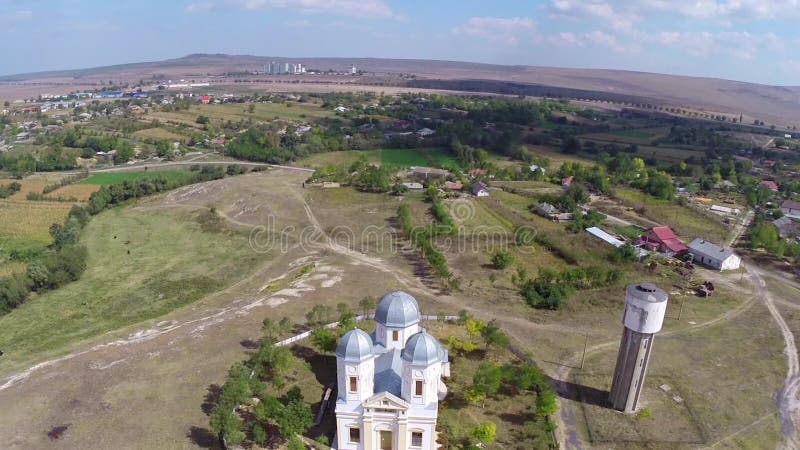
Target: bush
pixel 502 259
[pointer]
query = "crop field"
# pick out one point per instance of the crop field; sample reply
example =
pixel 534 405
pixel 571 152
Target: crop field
pixel 642 136
pixel 160 133
pixel 107 178
pixel 22 220
pixel 141 265
pixel 33 183
pixel 236 112
pixel 435 157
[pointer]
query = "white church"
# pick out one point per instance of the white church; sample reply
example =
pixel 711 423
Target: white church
pixel 390 382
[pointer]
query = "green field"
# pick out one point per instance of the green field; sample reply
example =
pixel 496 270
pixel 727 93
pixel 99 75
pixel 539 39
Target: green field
pixel 142 265
pixel 120 177
pixel 436 157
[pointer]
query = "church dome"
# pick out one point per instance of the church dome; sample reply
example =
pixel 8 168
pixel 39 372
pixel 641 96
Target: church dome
pixel 355 346
pixel 397 309
pixel 422 349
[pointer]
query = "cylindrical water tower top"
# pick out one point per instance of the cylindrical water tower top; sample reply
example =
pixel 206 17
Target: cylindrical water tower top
pixel 645 306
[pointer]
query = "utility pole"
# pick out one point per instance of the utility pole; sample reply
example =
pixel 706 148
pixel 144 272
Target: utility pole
pixel 585 342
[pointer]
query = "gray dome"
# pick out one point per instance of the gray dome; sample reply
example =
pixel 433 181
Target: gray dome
pixel 355 346
pixel 422 349
pixel 397 309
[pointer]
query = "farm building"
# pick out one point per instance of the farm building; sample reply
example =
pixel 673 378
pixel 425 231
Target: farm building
pixel 476 172
pixel 425 132
pixel 413 186
pixel 427 172
pixel 725 210
pixel 611 240
pixel 714 256
pixel 771 185
pixel 453 186
pixel 791 209
pixel 549 211
pixel 787 228
pixel 662 239
pixel 480 190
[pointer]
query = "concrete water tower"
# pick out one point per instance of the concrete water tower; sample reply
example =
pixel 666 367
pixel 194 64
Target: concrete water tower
pixel 645 305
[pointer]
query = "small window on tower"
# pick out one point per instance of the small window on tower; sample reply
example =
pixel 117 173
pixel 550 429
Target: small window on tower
pixel 395 336
pixel 416 439
pixel 353 384
pixel 418 388
pixel 355 435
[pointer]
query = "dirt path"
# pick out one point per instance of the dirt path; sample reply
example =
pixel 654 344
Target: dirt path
pixel 788 403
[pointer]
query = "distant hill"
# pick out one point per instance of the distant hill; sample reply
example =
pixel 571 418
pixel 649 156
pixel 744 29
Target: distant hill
pixel 778 104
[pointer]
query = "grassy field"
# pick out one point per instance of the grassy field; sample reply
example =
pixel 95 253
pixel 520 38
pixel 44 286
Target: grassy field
pixel 641 136
pixel 686 222
pixel 236 112
pixel 431 157
pixel 107 178
pixel 79 191
pixel 160 133
pixel 141 266
pixel 435 157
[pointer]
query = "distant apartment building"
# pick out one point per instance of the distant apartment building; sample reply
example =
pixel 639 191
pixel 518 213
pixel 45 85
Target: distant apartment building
pixel 284 68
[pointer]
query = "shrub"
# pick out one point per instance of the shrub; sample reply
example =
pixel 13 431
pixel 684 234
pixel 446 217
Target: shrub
pixel 502 259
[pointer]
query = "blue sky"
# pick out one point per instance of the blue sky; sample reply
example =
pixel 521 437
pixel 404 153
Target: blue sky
pixel 749 40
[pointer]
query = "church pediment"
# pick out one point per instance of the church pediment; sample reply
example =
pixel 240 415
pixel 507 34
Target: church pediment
pixel 386 400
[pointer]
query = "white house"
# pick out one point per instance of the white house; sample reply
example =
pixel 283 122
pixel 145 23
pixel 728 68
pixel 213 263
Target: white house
pixel 791 209
pixel 714 256
pixel 390 382
pixel 480 190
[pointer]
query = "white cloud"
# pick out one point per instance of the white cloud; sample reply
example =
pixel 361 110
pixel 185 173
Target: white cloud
pixel 199 7
pixel 498 29
pixel 595 9
pixel 349 8
pixel 566 39
pixel 739 44
pixel 721 9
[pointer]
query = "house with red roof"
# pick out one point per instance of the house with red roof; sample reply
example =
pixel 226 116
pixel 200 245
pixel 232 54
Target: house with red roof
pixel 567 181
pixel 771 185
pixel 663 240
pixel 475 172
pixel 205 99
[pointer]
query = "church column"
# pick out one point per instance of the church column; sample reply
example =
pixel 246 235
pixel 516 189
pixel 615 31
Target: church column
pixel 368 434
pixel 402 432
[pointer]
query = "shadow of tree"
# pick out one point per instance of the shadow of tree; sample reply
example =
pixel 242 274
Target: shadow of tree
pixel 210 400
pixel 323 366
pixel 203 438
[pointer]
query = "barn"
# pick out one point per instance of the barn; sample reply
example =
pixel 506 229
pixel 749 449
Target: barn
pixel 714 256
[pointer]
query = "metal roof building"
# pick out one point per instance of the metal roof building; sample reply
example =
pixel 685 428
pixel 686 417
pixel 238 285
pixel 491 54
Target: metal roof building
pixel 714 256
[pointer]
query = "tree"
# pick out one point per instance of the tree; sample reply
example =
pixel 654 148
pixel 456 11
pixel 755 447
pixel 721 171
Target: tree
pixel 571 145
pixel 546 402
pixel 474 396
pixel 366 304
pixel 502 259
pixel 296 443
pixel 124 152
pixel 202 120
pixel 251 108
pixel 324 339
pixel 492 335
pixel 487 378
pixel 485 433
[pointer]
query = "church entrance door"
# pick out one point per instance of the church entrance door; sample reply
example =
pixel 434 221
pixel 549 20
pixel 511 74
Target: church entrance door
pixel 386 441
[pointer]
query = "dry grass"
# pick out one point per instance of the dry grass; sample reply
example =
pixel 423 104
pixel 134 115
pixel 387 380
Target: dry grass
pixel 80 191
pixel 30 221
pixel 160 133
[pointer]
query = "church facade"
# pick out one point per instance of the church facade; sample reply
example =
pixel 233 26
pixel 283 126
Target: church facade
pixel 389 383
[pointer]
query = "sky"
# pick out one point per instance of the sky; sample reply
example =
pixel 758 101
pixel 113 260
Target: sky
pixel 747 40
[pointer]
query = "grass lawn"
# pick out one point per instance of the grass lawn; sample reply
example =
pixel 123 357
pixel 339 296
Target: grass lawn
pixel 687 223
pixel 106 178
pixel 142 264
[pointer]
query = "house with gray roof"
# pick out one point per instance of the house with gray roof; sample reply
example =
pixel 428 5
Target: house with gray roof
pixel 714 256
pixel 389 383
